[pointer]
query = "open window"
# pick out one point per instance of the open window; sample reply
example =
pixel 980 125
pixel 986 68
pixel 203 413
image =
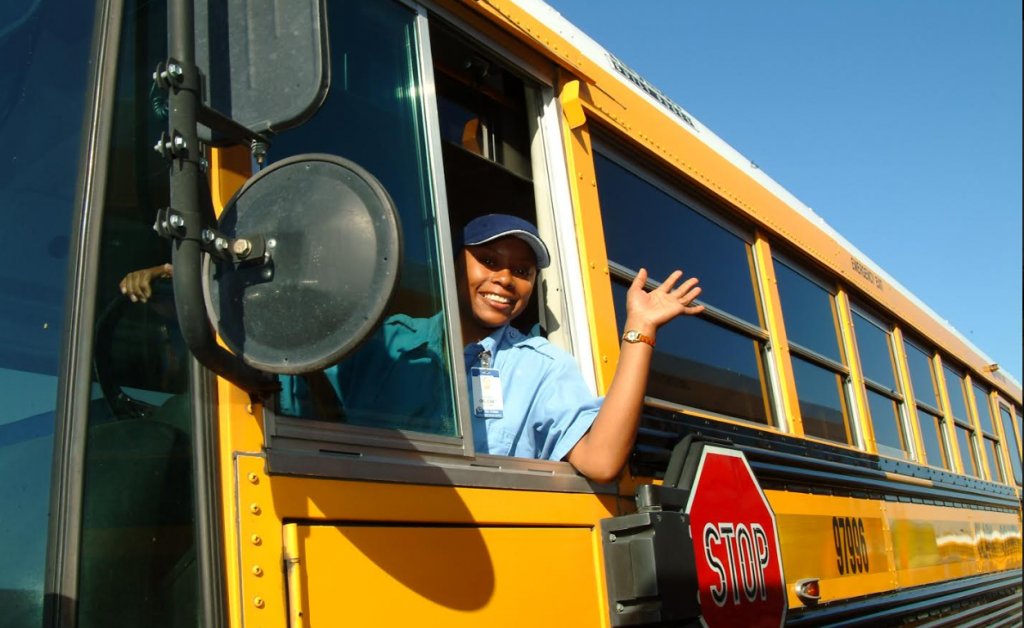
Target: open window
pixel 415 98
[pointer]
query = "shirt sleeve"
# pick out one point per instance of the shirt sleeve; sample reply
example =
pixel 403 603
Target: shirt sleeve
pixel 562 411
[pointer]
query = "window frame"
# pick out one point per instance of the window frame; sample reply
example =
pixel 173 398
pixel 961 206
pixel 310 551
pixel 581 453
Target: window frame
pixel 853 427
pixel 303 446
pixel 966 423
pixel 630 160
pixel 993 468
pixel 921 406
pixel 897 396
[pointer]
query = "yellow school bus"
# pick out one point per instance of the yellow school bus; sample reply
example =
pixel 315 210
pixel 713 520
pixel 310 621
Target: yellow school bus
pixel 153 478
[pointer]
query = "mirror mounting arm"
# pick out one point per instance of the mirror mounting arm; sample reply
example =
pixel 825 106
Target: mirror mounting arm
pixel 187 183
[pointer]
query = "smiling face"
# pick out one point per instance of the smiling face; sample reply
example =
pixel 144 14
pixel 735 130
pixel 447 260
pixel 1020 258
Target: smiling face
pixel 495 282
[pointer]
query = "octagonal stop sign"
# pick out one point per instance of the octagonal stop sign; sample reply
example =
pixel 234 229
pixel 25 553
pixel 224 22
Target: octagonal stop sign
pixel 736 545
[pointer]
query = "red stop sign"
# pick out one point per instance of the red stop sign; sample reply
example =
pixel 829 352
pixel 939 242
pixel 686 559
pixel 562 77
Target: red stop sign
pixel 736 544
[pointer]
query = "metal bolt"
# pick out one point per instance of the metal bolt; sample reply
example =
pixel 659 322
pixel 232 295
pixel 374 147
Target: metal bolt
pixel 204 164
pixel 256 540
pixel 254 509
pixel 612 537
pixel 242 247
pixel 177 221
pixel 254 479
pixel 248 408
pixel 207 236
pixel 175 70
pixel 179 142
pixel 620 608
pixel 267 274
pixel 257 571
pixel 258 602
pixel 271 243
pixel 259 151
pixel 221 244
pixel 163 223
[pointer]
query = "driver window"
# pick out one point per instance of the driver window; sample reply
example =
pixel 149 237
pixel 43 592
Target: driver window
pixel 138 542
pixel 402 377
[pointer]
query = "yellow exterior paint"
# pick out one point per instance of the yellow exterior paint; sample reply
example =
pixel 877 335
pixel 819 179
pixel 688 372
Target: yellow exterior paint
pixel 449 577
pixel 772 306
pixel 593 255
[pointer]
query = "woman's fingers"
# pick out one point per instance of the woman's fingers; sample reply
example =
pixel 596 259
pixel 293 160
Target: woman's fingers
pixel 640 280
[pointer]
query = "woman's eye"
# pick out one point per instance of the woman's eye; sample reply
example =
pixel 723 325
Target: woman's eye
pixel 523 272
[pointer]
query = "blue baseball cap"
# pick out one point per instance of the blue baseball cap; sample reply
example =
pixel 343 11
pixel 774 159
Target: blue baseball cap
pixel 493 226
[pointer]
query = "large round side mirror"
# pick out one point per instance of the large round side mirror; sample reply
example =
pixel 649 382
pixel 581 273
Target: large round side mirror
pixel 318 252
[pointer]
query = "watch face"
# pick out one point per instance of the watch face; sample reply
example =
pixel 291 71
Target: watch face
pixel 632 335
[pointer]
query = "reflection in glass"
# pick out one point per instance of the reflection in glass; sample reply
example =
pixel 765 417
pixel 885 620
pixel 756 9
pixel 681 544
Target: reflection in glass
pixel 44 60
pixel 675 237
pixel 955 390
pixel 967 456
pixel 373 116
pixel 1011 442
pixel 874 345
pixel 886 421
pixel 138 516
pixel 809 311
pixel 931 435
pixel 981 402
pixel 822 402
pixel 920 365
pixel 705 366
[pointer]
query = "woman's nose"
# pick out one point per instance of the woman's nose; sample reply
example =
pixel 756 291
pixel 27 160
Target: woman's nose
pixel 502 277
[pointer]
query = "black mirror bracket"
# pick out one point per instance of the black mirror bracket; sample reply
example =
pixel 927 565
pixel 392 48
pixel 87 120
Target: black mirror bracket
pixel 188 222
pixel 251 249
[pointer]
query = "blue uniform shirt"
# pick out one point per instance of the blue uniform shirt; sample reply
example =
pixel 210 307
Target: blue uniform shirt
pixel 547 406
pixel 399 379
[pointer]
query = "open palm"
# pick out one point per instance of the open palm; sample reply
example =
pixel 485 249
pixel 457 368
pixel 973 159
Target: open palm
pixel 659 306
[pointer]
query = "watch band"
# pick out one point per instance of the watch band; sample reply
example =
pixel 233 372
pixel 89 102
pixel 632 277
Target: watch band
pixel 633 335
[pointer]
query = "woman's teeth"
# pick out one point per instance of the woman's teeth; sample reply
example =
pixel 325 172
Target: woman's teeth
pixel 497 298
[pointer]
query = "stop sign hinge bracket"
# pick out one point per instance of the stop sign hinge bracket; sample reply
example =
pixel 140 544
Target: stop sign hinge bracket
pixel 655 497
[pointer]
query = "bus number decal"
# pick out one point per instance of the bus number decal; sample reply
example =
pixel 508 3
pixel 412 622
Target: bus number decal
pixel 851 545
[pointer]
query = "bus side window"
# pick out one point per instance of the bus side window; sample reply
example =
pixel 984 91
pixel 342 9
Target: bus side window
pixel 712 363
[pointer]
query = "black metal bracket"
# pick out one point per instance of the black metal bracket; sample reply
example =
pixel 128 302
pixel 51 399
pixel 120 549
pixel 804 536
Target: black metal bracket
pixel 175 225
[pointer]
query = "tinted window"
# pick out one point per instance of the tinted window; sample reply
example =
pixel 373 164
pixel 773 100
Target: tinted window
pixel 674 237
pixel 1011 442
pixel 931 434
pixel 821 401
pixel 809 311
pixel 967 456
pixel 373 116
pixel 138 521
pixel 703 365
pixel 875 349
pixel 981 402
pixel 992 462
pixel 886 421
pixel 44 63
pixel 921 375
pixel 955 390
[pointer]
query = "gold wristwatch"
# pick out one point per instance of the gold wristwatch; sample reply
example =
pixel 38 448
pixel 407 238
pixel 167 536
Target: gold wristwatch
pixel 633 335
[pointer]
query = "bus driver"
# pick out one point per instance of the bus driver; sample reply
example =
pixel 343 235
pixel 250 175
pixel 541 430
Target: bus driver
pixel 528 398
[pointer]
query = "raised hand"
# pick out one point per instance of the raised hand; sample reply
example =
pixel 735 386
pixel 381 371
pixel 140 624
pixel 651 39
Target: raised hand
pixel 647 311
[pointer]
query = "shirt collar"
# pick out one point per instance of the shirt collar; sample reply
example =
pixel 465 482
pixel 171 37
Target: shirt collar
pixel 499 339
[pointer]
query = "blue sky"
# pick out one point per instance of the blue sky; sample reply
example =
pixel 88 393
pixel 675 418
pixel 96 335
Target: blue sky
pixel 898 122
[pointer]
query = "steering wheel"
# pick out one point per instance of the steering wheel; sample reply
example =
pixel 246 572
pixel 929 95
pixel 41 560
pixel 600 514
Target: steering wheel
pixel 138 345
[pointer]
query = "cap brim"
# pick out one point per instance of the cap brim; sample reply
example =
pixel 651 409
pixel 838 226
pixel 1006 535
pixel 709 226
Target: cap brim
pixel 539 249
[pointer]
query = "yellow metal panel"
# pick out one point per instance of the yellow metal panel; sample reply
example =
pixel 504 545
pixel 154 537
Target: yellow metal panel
pixel 572 109
pixel 829 538
pixel 604 334
pixel 452 577
pixel 777 334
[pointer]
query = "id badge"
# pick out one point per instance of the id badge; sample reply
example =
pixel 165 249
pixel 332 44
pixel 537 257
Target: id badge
pixel 487 400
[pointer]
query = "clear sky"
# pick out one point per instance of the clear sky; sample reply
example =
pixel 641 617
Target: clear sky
pixel 898 122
